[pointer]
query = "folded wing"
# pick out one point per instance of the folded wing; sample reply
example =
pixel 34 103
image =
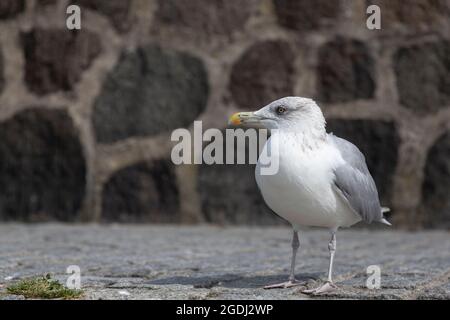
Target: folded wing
pixel 354 182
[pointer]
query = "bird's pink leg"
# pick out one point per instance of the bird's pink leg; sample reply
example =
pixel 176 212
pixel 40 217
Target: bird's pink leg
pixel 292 282
pixel 329 285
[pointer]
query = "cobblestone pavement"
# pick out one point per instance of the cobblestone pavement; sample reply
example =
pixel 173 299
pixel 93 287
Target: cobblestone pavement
pixel 207 262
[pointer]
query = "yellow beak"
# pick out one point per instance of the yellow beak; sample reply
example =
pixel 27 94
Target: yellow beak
pixel 241 118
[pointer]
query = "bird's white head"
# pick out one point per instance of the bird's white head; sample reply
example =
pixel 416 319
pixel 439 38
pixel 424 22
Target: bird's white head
pixel 296 114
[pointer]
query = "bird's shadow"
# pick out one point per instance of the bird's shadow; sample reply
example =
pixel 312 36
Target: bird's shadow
pixel 233 280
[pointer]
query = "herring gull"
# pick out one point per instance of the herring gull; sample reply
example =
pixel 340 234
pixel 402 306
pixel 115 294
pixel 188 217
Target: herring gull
pixel 322 180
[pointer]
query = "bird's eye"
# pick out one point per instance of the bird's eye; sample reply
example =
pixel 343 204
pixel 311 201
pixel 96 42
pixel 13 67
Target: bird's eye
pixel 280 110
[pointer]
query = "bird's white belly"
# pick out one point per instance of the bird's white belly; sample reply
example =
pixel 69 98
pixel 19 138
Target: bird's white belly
pixel 301 191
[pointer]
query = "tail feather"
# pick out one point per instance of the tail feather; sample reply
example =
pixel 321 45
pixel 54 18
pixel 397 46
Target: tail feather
pixel 383 220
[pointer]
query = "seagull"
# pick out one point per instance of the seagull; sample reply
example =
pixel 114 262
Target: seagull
pixel 322 180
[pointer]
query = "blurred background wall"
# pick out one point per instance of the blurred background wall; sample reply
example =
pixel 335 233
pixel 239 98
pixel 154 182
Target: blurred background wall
pixel 86 116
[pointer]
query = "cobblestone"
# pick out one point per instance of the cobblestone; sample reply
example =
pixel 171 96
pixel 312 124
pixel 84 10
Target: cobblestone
pixel 209 262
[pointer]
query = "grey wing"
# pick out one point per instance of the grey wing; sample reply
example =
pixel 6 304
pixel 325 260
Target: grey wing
pixel 355 183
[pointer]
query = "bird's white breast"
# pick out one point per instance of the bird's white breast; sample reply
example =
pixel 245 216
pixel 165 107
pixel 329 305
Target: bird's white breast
pixel 301 191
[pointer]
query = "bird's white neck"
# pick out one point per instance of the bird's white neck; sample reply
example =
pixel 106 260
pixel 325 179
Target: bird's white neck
pixel 309 128
pixel 308 138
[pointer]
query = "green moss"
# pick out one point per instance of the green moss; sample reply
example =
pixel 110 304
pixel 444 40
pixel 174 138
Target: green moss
pixel 43 288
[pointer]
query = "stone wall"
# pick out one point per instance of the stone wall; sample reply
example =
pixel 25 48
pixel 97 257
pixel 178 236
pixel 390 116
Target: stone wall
pixel 86 116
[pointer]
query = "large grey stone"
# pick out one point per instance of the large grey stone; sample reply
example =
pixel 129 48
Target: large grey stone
pixel 2 77
pixel 117 11
pixel 56 58
pixel 150 91
pixel 436 185
pixel 229 194
pixel 414 14
pixel 423 76
pixel 11 8
pixel 204 18
pixel 42 167
pixel 45 3
pixel 305 15
pixel 345 71
pixel 146 192
pixel 262 74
